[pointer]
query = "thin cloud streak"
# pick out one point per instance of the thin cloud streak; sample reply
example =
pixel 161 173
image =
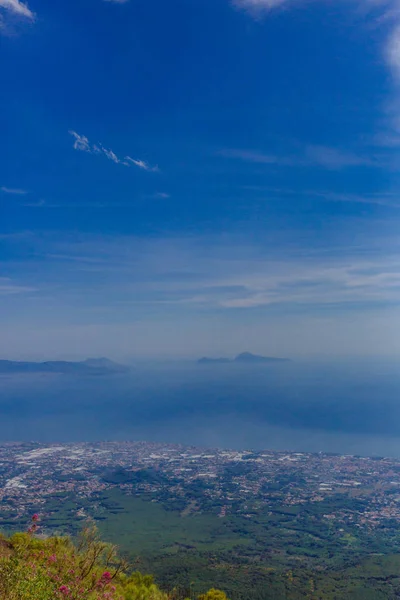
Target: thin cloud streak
pixel 8 288
pixel 204 273
pixel 15 191
pixel 142 294
pixel 82 143
pixel 390 200
pixel 142 164
pixel 312 156
pixel 111 155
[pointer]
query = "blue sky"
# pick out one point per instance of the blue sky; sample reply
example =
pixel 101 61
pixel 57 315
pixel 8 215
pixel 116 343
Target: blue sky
pixel 199 176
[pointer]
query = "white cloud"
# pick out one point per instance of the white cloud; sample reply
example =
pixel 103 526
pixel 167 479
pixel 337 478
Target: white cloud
pixel 142 164
pixel 17 8
pixel 15 191
pixel 82 143
pixel 109 154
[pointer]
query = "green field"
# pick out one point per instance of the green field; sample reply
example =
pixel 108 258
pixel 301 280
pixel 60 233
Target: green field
pixel 280 554
pixel 284 554
pixel 143 527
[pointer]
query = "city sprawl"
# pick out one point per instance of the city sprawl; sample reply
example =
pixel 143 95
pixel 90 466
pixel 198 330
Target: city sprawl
pixel 365 491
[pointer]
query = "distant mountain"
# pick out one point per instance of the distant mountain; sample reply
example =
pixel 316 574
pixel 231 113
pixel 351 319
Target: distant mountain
pixel 91 366
pixel 244 358
pixel 247 357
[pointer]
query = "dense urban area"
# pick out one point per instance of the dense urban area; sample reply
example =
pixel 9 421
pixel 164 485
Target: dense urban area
pixel 227 481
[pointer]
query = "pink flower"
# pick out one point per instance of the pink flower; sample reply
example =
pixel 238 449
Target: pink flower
pixel 52 558
pixel 64 589
pixel 35 517
pixel 104 579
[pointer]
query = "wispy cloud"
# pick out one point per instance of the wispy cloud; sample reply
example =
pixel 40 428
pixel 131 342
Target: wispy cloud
pixel 389 199
pixel 142 164
pixel 260 288
pixel 311 156
pixel 16 191
pixel 110 155
pixel 15 7
pixel 207 272
pixel 8 287
pixel 258 5
pixel 11 12
pixel 82 143
pixel 334 158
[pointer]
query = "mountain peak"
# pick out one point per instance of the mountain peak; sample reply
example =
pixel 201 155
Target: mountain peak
pixel 244 357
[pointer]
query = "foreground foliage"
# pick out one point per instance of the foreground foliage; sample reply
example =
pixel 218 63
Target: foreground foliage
pixel 35 568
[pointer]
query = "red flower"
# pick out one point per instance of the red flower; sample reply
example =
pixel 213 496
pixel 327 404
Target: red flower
pixel 35 517
pixel 106 576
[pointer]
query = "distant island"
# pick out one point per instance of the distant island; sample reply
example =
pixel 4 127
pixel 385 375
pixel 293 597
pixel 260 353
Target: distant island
pixel 90 366
pixel 244 358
